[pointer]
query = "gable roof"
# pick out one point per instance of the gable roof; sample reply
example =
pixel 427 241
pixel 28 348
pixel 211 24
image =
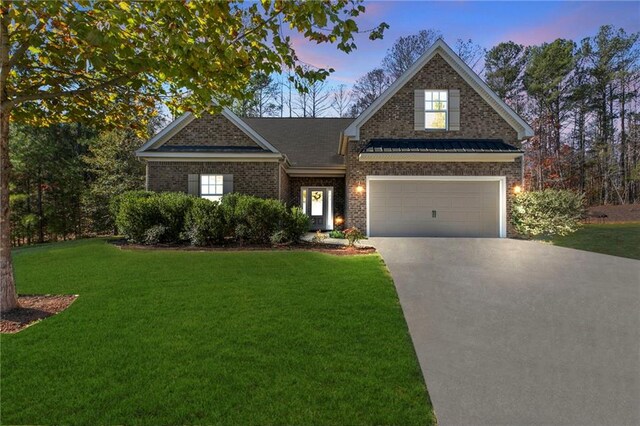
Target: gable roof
pixel 307 142
pixel 181 122
pixel 441 48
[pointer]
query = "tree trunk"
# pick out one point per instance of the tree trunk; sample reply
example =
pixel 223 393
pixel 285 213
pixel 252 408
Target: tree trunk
pixel 39 207
pixel 8 298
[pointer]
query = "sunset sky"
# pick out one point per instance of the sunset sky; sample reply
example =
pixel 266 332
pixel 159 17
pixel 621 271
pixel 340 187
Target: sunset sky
pixel 487 23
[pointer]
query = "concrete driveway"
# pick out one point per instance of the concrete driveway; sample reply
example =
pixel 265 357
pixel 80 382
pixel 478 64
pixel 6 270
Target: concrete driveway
pixel 517 332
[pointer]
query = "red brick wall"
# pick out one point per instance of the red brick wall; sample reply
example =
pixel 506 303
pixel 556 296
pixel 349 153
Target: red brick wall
pixel 395 120
pixel 253 178
pixel 211 130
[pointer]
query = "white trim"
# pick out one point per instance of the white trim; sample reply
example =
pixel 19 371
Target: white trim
pixel 210 157
pixel 181 122
pixel 502 221
pixel 168 132
pixel 335 171
pixel 479 157
pixel 248 130
pixel 440 47
pixel 330 194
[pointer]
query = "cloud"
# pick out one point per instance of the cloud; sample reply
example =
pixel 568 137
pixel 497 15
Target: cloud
pixel 578 20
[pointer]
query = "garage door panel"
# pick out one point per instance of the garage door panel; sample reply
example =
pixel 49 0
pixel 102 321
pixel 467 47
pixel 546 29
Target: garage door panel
pixel 405 208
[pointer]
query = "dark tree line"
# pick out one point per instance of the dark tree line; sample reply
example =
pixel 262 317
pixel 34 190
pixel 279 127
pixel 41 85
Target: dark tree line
pixel 64 177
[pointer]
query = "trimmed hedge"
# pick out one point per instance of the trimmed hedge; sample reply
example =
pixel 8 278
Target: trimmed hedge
pixel 547 213
pixel 151 218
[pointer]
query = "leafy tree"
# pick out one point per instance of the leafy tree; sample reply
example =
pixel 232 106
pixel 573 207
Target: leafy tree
pixel 261 99
pixel 547 80
pixel 106 61
pixel 114 169
pixel 504 66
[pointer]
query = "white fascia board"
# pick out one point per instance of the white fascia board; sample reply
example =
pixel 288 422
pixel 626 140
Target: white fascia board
pixel 208 156
pixel 248 130
pixel 165 134
pixel 458 157
pixel 336 171
pixel 523 129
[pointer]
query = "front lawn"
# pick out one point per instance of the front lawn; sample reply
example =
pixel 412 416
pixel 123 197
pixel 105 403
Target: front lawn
pixel 171 337
pixel 617 239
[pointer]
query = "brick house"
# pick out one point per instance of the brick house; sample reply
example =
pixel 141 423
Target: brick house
pixel 437 154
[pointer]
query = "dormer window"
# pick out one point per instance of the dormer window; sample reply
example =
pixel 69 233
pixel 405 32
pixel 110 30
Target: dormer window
pixel 436 107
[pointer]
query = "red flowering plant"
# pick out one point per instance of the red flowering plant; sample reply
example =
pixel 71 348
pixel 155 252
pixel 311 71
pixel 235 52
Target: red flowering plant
pixel 353 235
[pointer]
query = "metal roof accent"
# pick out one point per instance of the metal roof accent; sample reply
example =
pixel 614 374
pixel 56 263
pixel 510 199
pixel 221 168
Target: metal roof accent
pixel 439 145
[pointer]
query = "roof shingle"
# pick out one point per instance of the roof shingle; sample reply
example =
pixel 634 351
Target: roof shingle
pixel 307 142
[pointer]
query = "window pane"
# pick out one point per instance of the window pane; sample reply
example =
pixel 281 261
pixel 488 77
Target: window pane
pixel 219 180
pixel 435 120
pixel 443 96
pixel 428 95
pixel 304 201
pixel 316 203
pixel 440 106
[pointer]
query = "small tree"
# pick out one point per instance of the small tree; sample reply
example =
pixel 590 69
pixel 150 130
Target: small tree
pixel 547 213
pixel 105 61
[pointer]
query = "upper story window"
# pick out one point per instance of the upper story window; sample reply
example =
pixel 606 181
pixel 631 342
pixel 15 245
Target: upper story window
pixel 211 187
pixel 436 107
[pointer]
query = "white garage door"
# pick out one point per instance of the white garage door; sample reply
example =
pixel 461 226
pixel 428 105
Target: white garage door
pixel 424 208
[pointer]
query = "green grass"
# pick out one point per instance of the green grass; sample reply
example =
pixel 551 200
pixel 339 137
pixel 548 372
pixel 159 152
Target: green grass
pixel 617 239
pixel 170 337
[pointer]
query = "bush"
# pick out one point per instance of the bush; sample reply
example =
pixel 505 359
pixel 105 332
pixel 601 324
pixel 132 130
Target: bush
pixel 547 213
pixel 336 234
pixel 173 208
pixel 353 235
pixel 296 224
pixel 151 218
pixel 204 224
pixel 136 212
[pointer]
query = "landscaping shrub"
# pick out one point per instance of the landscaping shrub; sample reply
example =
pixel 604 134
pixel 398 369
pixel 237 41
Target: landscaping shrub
pixel 337 234
pixel 150 218
pixel 136 212
pixel 173 207
pixel 296 224
pixel 353 235
pixel 204 223
pixel 171 217
pixel 547 213
pixel 154 234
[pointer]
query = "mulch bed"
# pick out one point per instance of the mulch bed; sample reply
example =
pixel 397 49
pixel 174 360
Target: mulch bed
pixel 33 308
pixel 612 214
pixel 334 249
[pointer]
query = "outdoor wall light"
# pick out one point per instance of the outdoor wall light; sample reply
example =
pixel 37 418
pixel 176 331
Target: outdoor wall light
pixel 339 220
pixel 359 188
pixel 517 189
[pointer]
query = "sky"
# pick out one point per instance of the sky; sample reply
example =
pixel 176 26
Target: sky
pixel 485 22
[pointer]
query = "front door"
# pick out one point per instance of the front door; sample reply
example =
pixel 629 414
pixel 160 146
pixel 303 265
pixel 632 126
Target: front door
pixel 316 203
